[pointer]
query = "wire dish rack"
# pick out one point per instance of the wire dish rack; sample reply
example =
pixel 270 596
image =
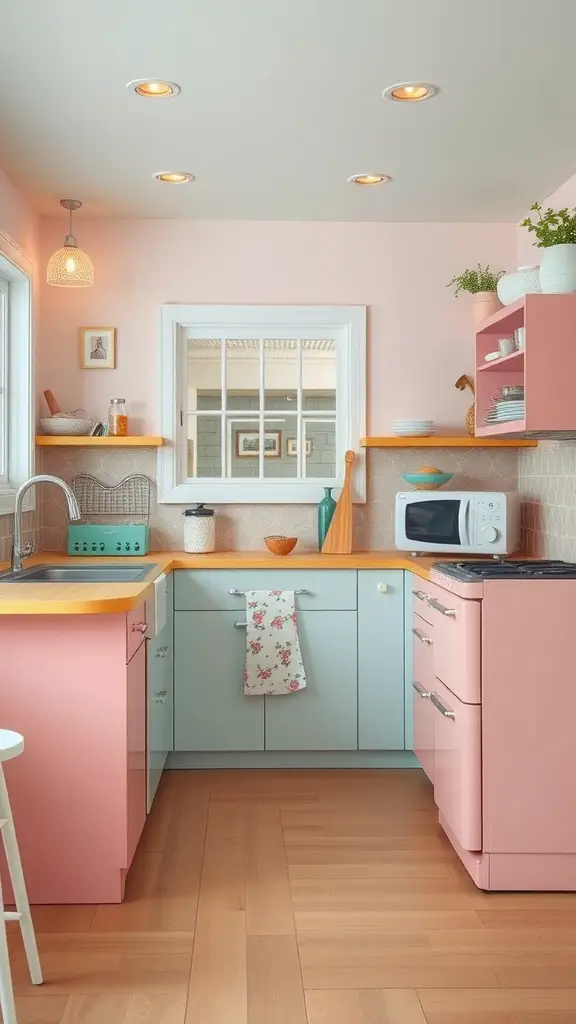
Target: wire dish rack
pixel 129 500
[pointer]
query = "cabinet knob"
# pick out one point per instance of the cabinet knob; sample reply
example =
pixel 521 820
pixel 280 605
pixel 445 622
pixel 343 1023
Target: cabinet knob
pixel 382 588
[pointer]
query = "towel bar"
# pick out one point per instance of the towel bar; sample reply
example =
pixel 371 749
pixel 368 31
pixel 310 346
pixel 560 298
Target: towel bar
pixel 242 593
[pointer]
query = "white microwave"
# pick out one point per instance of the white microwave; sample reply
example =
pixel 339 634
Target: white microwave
pixel 466 522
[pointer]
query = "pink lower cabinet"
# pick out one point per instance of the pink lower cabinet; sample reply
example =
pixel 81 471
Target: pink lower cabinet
pixel 458 765
pixel 75 686
pixel 422 684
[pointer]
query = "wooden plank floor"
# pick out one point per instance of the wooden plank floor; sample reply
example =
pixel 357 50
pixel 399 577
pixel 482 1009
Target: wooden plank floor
pixel 302 897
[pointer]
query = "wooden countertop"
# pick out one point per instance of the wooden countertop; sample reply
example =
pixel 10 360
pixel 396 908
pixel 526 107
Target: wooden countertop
pixel 106 598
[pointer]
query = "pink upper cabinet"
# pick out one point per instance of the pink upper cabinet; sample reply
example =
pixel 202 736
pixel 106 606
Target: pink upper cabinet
pixel 546 368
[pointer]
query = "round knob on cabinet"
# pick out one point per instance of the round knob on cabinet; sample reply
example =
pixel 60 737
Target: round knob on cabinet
pixel 490 534
pixel 382 588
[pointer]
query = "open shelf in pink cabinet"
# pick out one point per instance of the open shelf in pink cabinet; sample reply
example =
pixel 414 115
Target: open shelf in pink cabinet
pixel 545 368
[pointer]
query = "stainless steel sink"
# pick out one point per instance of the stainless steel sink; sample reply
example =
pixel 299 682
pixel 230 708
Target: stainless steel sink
pixel 78 574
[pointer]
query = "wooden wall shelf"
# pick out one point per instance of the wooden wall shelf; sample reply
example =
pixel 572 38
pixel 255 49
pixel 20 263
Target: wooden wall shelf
pixel 82 441
pixel 461 441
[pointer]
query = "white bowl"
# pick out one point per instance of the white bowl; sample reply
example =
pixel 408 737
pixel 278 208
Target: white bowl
pixel 65 426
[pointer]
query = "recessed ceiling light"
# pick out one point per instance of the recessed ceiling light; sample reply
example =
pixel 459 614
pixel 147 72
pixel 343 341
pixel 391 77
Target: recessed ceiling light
pixel 410 92
pixel 369 179
pixel 153 88
pixel 173 177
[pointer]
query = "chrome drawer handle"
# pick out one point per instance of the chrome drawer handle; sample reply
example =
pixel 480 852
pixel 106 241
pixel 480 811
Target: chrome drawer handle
pixel 240 625
pixel 242 593
pixel 421 595
pixel 450 612
pixel 423 639
pixel 447 712
pixel 425 694
pixel 139 627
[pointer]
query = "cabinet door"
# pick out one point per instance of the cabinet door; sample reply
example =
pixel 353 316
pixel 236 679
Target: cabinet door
pixel 381 660
pixel 422 686
pixel 458 765
pixel 210 709
pixel 323 716
pixel 136 749
pixel 160 707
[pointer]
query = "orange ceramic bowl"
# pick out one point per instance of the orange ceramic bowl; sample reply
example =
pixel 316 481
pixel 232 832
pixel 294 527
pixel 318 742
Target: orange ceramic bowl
pixel 280 545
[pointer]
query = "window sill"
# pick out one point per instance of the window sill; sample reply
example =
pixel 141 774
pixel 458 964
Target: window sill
pixel 252 492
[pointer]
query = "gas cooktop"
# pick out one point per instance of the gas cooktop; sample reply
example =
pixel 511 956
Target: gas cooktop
pixel 539 569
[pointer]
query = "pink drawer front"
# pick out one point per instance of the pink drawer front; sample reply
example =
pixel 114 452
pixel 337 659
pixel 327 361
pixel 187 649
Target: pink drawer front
pixel 136 628
pixel 458 766
pixel 422 684
pixel 457 638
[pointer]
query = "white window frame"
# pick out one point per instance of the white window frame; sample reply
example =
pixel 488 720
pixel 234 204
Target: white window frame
pixel 345 323
pixel 16 270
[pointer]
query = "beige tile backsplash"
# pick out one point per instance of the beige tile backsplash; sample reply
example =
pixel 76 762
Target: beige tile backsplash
pixel 547 483
pixel 244 526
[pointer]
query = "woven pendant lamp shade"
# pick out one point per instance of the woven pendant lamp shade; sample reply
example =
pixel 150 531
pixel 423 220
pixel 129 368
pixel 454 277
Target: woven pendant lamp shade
pixel 70 267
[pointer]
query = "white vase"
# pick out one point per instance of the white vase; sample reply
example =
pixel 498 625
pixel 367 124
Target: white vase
pixel 558 269
pixel 517 284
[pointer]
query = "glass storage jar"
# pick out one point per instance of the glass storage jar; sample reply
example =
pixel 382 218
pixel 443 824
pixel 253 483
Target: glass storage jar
pixel 117 418
pixel 199 530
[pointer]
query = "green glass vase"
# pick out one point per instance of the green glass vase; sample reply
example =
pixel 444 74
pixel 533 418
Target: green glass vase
pixel 326 510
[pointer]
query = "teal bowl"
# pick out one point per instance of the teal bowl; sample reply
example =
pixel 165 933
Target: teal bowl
pixel 427 481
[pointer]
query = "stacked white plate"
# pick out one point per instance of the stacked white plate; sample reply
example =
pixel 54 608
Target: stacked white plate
pixel 413 428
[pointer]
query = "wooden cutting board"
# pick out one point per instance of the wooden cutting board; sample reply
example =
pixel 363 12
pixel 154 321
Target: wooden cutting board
pixel 339 537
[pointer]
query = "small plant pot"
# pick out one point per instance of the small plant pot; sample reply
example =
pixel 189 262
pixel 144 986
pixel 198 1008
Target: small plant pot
pixel 484 304
pixel 558 269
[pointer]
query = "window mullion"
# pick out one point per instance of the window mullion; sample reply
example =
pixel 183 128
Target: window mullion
pixel 261 430
pixel 300 464
pixel 223 408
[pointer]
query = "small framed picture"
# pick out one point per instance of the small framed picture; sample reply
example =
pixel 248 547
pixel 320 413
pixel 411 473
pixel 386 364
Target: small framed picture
pixel 248 444
pixel 98 348
pixel 292 447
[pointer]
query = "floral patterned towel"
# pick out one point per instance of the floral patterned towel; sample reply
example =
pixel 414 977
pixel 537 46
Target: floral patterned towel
pixel 273 659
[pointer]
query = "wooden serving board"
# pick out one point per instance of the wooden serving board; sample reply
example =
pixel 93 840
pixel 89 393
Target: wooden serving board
pixel 339 537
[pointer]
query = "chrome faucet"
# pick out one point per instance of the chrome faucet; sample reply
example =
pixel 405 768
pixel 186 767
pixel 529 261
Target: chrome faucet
pixel 18 551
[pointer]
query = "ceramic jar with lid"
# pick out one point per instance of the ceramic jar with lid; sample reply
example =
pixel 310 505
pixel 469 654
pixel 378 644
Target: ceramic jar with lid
pixel 199 530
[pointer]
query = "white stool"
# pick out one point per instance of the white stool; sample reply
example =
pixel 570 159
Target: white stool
pixel 11 745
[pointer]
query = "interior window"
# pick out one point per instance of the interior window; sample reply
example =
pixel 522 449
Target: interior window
pixel 261 408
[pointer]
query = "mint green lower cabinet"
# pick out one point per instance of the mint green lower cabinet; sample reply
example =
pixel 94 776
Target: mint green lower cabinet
pixel 211 711
pixel 323 716
pixel 381 659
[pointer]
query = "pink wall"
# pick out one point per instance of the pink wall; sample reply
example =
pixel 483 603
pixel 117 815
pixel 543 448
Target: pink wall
pixel 420 338
pixel 17 218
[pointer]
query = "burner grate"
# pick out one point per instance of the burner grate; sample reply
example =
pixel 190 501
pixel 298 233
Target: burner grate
pixel 551 569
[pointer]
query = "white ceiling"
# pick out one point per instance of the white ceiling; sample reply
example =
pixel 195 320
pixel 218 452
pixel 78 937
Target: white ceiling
pixel 281 102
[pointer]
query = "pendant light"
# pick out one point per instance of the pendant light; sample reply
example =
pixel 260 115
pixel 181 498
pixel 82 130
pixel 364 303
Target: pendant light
pixel 70 267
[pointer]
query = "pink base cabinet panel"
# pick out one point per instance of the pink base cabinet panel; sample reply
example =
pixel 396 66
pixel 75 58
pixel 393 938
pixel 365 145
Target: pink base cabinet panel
pixel 75 687
pixel 504 752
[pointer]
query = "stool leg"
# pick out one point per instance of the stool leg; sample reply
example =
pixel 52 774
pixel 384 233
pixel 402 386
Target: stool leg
pixel 6 991
pixel 19 885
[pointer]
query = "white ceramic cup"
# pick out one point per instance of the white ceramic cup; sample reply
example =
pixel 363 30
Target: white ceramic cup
pixel 506 346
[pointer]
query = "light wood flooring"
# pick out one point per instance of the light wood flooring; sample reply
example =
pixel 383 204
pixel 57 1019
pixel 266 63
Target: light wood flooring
pixel 302 897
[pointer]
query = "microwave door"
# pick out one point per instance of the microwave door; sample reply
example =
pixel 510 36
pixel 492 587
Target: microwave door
pixel 434 522
pixel 464 522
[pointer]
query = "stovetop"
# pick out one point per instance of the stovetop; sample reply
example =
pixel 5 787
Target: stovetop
pixel 541 569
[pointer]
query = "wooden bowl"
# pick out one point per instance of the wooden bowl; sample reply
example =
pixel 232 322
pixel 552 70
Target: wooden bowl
pixel 279 545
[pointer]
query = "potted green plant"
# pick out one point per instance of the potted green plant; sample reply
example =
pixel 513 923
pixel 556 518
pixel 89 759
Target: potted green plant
pixel 481 283
pixel 555 232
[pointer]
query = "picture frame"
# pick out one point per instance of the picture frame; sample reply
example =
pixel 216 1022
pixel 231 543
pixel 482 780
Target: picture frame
pixel 97 348
pixel 292 448
pixel 248 444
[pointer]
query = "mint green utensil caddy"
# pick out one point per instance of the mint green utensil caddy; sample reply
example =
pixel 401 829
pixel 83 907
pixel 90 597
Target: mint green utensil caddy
pixel 128 500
